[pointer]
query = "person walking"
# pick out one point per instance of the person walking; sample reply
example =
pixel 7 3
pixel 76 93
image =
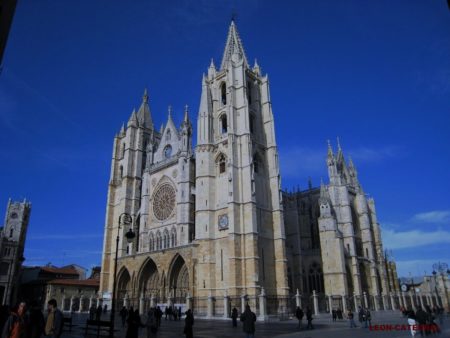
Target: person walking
pixel 234 315
pixel 411 321
pixel 92 311
pixel 54 324
pixel 123 315
pixel 299 315
pixel 133 324
pixel 188 324
pixel 309 319
pixel 248 318
pixel 333 315
pixel 368 317
pixel 421 319
pixel 151 323
pixel 16 325
pixel 351 319
pixel 159 314
pixel 98 314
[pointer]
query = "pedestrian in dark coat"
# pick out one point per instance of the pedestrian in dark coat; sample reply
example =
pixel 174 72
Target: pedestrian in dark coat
pixel 133 324
pixel 159 314
pixel 123 315
pixel 248 318
pixel 188 324
pixel 151 323
pixel 309 318
pixel 234 315
pixel 350 317
pixel 92 312
pixel 98 314
pixel 299 315
pixel 334 315
pixel 421 319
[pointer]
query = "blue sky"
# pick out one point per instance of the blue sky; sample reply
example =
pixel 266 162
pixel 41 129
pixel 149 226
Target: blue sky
pixel 374 73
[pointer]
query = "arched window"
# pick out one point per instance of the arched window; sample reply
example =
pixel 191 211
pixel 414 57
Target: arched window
pixel 123 150
pixel 223 93
pixel 223 124
pixel 166 239
pixel 222 164
pixel 121 171
pixel 168 151
pixel 151 242
pixel 168 135
pixel 158 241
pixel 173 238
pixel 11 232
pixel 315 278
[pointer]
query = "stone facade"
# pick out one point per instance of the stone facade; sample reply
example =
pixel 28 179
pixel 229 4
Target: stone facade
pixel 12 242
pixel 334 243
pixel 209 220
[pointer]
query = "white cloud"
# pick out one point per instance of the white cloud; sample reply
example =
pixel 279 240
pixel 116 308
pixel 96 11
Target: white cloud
pixel 413 238
pixel 436 216
pixel 364 154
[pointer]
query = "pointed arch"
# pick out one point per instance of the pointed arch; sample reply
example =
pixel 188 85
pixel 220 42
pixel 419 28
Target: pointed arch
pixel 158 240
pixel 173 237
pixel 223 93
pixel 221 162
pixel 124 286
pixel 148 279
pixel 166 239
pixel 151 240
pixel 178 278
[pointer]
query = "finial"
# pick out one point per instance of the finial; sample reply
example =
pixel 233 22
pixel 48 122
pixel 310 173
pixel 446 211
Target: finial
pixel 330 150
pixel 211 65
pixel 256 64
pixel 145 96
pixel 186 108
pixel 169 109
pixel 338 143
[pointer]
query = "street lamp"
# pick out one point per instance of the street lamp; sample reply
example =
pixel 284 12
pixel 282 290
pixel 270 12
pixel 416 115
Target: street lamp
pixel 124 219
pixel 442 269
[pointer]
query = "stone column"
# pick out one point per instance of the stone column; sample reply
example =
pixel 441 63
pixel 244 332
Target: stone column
pixel 125 300
pixel 366 303
pixel 71 303
pixel 243 298
pixel 412 301
pixel 298 300
pixel 376 301
pixel 262 306
pixel 152 300
pixel 62 302
pixel 226 301
pixel 330 304
pixel 421 301
pixel 405 304
pixel 188 302
pixel 90 302
pixel 80 306
pixel 210 306
pixel 141 303
pixel 316 302
pixel 384 299
pixel 355 301
pixel 393 307
pixel 344 305
pixel 429 300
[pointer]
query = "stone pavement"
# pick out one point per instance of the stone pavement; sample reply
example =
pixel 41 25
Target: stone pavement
pixel 323 328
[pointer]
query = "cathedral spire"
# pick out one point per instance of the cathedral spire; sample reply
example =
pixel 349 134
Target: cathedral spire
pixel 133 121
pixel 144 116
pixel 330 155
pixel 233 46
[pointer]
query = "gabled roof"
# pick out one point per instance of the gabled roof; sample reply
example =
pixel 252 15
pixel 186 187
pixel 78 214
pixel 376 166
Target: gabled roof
pixel 76 282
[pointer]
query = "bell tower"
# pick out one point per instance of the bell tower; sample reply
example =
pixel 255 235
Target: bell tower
pixel 239 217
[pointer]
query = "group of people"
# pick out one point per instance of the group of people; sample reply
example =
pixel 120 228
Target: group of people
pixel 29 322
pixel 299 314
pixel 132 320
pixel 95 312
pixel 423 320
pixel 336 314
pixel 364 317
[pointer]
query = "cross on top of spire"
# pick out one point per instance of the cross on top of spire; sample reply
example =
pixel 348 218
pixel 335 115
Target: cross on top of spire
pixel 233 45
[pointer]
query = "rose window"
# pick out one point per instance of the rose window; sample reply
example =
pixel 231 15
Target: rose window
pixel 164 202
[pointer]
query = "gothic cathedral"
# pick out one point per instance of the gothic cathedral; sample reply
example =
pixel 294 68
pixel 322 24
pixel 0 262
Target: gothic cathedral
pixel 209 220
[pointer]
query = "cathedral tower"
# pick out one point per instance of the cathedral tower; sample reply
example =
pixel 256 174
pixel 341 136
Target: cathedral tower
pixel 239 217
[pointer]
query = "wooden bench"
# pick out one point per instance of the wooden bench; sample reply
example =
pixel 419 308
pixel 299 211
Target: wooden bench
pixel 97 327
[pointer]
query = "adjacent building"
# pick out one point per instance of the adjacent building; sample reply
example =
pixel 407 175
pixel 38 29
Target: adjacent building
pixel 12 243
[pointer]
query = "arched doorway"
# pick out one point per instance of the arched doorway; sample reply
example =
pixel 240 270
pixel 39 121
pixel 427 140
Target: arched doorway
pixel 123 286
pixel 149 280
pixel 178 280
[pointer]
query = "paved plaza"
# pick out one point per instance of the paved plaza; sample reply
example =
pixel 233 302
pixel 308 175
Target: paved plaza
pixel 323 327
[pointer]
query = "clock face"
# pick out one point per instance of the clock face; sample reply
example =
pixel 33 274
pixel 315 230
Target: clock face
pixel 164 202
pixel 223 222
pixel 404 287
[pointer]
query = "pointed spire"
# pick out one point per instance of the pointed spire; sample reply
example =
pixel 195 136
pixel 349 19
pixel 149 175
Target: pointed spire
pixel 212 65
pixel 144 116
pixel 133 119
pixel 256 68
pixel 122 130
pixel 161 130
pixel 340 153
pixel 169 111
pixel 186 114
pixel 233 46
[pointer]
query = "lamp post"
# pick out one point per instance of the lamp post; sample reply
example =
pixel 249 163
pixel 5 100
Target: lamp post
pixel 126 219
pixel 442 269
